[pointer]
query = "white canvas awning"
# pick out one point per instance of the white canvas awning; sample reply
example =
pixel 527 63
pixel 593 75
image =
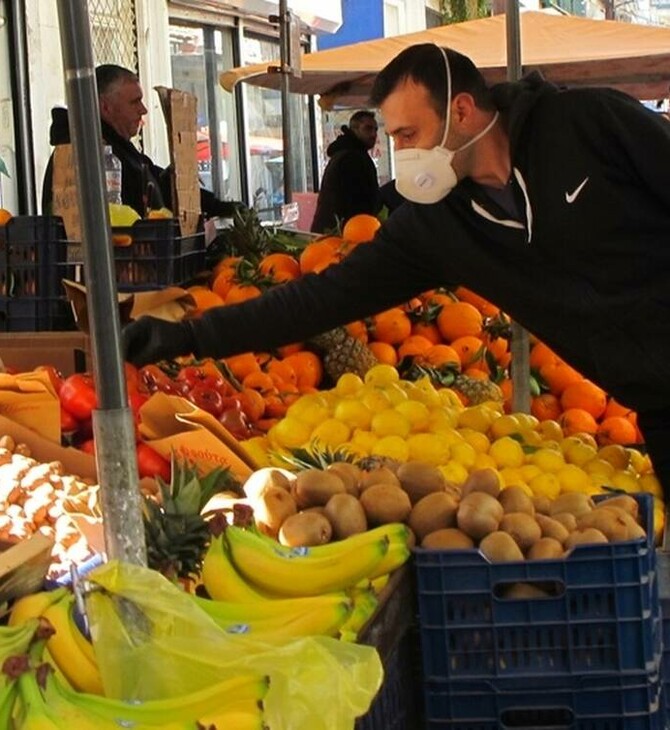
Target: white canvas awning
pixel 568 50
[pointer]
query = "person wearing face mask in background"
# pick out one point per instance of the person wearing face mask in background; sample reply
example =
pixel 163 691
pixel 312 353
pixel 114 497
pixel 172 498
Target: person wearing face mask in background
pixel 144 185
pixel 349 184
pixel 553 204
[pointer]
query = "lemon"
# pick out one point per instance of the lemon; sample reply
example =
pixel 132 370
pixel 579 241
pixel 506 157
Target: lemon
pixel 122 216
pixel 527 421
pixel 567 442
pixel 484 461
pixel 506 451
pixel 311 409
pixel 381 375
pixel 504 426
pixel 454 472
pixel 376 400
pixel 530 437
pixel 549 460
pixel 279 457
pixel 429 447
pixel 511 475
pixel 396 394
pixel 257 448
pixel 573 479
pixel 478 440
pixel 529 471
pixel 427 393
pixel 348 384
pixel 354 450
pixel 587 438
pixel 363 440
pixel 449 398
pixel 545 485
pixel 639 461
pixel 416 413
pixel 463 453
pixel 442 419
pixel 599 466
pixel 580 453
pixel 617 455
pixel 354 413
pixel 290 433
pixel 625 481
pixel 600 480
pixel 395 447
pixel 330 433
pixel 390 423
pixel 478 418
pixel 651 484
pixel 550 430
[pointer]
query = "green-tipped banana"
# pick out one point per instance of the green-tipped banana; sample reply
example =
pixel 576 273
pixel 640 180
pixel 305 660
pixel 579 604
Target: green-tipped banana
pixel 365 604
pixel 82 673
pixel 300 572
pixel 34 605
pixel 221 579
pixel 8 695
pixel 33 711
pixel 397 555
pixel 15 640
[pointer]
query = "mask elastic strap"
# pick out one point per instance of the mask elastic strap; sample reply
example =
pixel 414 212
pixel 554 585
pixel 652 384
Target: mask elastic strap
pixel 448 120
pixel 481 134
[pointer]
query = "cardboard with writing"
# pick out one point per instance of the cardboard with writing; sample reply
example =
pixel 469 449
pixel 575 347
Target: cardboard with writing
pixel 30 399
pixel 169 423
pixel 65 202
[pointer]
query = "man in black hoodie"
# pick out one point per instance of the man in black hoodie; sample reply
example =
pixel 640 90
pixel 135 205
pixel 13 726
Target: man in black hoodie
pixel 144 185
pixel 553 204
pixel 349 184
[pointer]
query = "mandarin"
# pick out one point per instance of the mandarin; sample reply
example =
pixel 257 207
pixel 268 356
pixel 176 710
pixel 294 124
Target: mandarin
pixel 280 267
pixel 241 293
pixel 558 375
pixel 384 352
pixel 392 326
pixel 204 299
pixel 307 367
pixel 585 395
pixel 320 254
pixel 360 228
pixel 616 430
pixel 413 346
pixel 546 406
pixel 483 305
pixel 459 319
pixel 441 355
pixel 428 330
pixel 577 420
pixel 470 349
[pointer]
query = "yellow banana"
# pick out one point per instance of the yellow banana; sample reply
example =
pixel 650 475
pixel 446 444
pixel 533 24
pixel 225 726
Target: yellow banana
pixel 240 716
pixel 300 572
pixel 365 604
pixel 221 579
pixel 378 583
pixel 34 605
pixel 85 646
pixel 397 555
pixel 79 670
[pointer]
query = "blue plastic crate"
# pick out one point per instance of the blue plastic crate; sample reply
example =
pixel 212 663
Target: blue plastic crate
pixel 606 702
pixel 601 615
pixel 663 558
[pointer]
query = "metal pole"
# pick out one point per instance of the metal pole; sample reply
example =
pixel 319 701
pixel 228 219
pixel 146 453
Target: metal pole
pixel 113 426
pixel 285 61
pixel 520 344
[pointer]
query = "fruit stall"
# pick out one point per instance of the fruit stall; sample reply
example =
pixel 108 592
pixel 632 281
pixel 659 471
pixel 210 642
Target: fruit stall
pixel 361 515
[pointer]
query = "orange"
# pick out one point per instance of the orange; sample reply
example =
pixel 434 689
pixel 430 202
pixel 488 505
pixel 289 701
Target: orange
pixel 558 375
pixel 241 365
pixel 204 299
pixel 260 381
pixel 223 281
pixel 384 352
pixel 546 407
pixel 320 254
pixel 280 267
pixel 476 373
pixel 413 346
pixel 483 305
pixel 585 395
pixel 229 262
pixel 616 430
pixel 392 326
pixel 286 350
pixel 541 354
pixel 252 403
pixel 470 349
pixel 360 228
pixel 358 330
pixel 459 319
pixel 499 348
pixel 241 293
pixel 308 368
pixel 5 216
pixel 614 408
pixel 507 388
pixel 428 330
pixel 437 299
pixel 283 370
pixel 441 355
pixel 577 420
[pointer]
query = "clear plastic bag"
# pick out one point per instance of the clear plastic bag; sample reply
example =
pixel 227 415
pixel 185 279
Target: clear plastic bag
pixel 152 642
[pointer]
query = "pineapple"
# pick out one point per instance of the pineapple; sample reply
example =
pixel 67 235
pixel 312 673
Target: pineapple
pixel 343 353
pixel 176 533
pixel 477 390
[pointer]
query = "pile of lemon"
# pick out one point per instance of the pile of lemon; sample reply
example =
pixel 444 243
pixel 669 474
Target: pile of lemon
pixel 383 415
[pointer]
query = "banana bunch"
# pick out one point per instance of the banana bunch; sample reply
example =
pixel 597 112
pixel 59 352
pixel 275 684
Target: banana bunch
pixel 14 643
pixel 70 652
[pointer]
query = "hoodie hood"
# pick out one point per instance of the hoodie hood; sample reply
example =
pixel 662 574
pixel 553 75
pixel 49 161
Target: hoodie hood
pixel 345 142
pixel 515 101
pixel 59 132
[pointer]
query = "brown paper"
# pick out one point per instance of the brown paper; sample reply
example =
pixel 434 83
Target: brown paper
pixel 65 201
pixel 30 400
pixel 169 423
pixel 180 111
pixel 171 304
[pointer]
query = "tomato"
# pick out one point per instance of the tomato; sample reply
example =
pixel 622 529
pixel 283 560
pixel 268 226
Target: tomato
pixel 151 464
pixel 152 378
pixel 194 375
pixel 68 423
pixel 88 447
pixel 55 376
pixel 209 399
pixel 133 381
pixel 236 422
pixel 136 400
pixel 78 397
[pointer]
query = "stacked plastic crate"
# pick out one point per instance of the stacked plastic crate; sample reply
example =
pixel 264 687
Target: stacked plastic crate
pixel 585 655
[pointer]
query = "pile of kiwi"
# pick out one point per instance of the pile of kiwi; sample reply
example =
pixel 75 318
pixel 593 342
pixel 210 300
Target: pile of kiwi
pixel 316 506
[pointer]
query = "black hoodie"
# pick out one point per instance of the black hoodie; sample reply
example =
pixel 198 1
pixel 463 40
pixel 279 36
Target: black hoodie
pixel 143 184
pixel 585 265
pixel 349 184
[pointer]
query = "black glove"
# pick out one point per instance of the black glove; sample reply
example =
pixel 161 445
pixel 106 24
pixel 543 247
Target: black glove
pixel 149 339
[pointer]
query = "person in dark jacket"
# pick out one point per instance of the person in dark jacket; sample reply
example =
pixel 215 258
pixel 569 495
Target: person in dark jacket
pixel 144 185
pixel 554 204
pixel 349 183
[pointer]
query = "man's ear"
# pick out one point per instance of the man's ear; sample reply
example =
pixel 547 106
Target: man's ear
pixel 463 106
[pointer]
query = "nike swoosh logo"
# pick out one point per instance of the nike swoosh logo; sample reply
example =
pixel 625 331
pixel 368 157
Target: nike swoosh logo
pixel 571 197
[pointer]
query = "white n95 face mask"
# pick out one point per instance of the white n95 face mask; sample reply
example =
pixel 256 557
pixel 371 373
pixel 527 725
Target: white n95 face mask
pixel 427 176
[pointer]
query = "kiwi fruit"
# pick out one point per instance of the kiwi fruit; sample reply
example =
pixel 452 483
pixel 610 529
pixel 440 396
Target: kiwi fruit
pixel 478 514
pixel 574 502
pixel 268 476
pixel 614 526
pixel 515 499
pixel 272 507
pixel 378 475
pixel 482 480
pixel 500 547
pixel 523 591
pixel 522 527
pixel 384 503
pixel 546 548
pixel 433 512
pixel 447 538
pixel 349 473
pixel 542 504
pixel 346 515
pixel 589 536
pixel 314 487
pixel 419 479
pixel 305 529
pixel 623 501
pixel 567 519
pixel 553 528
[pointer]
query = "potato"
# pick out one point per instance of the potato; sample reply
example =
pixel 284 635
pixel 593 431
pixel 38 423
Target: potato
pixel 433 512
pixel 448 538
pixel 515 499
pixel 384 503
pixel 585 537
pixel 346 515
pixel 419 479
pixel 305 529
pixel 522 527
pixel 542 504
pixel 623 501
pixel 546 548
pixel 553 528
pixel 478 514
pixel 314 487
pixel 482 480
pixel 500 547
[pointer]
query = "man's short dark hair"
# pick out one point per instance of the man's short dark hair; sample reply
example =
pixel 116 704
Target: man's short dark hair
pixel 109 74
pixel 424 64
pixel 359 116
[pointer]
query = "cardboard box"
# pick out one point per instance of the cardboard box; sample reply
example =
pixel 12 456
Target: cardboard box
pixel 69 352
